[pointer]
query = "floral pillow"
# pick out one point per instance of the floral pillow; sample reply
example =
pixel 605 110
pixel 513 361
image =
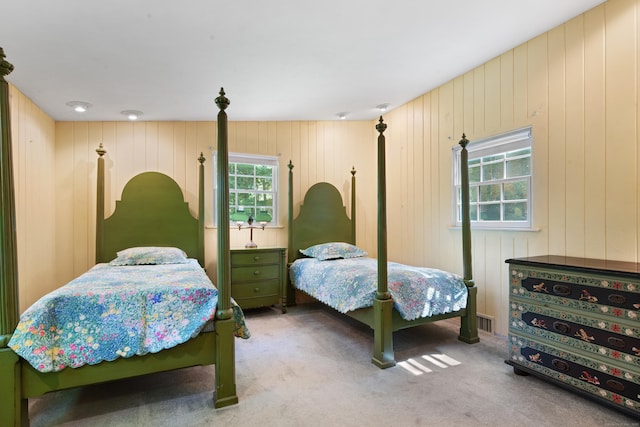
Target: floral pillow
pixel 150 255
pixel 333 250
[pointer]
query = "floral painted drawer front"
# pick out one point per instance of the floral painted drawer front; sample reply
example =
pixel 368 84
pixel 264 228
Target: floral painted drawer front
pixel 608 381
pixel 615 297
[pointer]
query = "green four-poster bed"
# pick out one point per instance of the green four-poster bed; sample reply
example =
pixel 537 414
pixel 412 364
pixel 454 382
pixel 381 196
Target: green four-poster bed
pixel 150 235
pixel 325 263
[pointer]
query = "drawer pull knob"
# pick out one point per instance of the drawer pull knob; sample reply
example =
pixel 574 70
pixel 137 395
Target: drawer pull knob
pixel 560 364
pixel 616 385
pixel 256 290
pixel 256 273
pixel 256 258
pixel 616 342
pixel 617 299
pixel 561 327
pixel 563 290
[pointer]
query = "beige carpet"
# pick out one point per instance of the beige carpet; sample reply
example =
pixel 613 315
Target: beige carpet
pixel 311 367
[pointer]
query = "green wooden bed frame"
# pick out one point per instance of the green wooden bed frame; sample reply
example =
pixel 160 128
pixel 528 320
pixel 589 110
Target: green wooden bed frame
pixel 152 212
pixel 323 218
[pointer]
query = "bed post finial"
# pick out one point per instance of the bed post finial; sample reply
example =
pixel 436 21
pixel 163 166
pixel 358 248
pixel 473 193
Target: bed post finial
pixel 202 159
pixel 100 150
pixel 222 101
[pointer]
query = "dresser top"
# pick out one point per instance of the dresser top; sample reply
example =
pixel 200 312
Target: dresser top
pixel 580 264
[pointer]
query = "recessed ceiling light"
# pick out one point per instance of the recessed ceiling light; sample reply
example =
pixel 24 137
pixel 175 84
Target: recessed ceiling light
pixel 382 107
pixel 342 115
pixel 131 114
pixel 79 106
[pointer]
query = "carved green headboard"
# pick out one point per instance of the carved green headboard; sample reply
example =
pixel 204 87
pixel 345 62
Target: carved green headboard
pixel 151 212
pixel 322 217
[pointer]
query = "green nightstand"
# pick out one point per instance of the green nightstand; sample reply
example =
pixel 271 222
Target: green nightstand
pixel 258 277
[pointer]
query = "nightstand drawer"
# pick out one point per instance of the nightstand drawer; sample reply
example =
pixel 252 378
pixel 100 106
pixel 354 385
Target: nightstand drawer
pixel 261 289
pixel 254 273
pixel 255 258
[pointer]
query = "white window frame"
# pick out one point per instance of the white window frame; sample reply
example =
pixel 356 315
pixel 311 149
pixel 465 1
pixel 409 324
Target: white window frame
pixel 510 141
pixel 255 159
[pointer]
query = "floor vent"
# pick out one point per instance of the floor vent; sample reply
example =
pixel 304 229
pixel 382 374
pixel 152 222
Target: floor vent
pixel 485 323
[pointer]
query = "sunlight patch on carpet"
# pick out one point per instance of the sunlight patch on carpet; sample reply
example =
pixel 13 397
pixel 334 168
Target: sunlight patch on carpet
pixel 419 367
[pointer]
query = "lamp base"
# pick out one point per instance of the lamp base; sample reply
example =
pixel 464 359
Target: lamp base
pixel 251 245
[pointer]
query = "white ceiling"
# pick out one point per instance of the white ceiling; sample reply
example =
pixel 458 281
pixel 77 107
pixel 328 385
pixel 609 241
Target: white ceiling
pixel 277 60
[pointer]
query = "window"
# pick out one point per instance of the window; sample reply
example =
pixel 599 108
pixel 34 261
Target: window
pixel 253 187
pixel 499 181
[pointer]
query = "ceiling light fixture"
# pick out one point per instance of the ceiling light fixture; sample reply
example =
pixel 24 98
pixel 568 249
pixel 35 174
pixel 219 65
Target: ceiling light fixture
pixel 382 107
pixel 131 114
pixel 342 115
pixel 79 106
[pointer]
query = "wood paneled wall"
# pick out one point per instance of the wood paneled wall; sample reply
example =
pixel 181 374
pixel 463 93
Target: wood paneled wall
pixel 576 85
pixel 33 146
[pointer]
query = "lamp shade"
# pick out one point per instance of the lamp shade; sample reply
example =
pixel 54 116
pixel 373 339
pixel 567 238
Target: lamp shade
pixel 239 216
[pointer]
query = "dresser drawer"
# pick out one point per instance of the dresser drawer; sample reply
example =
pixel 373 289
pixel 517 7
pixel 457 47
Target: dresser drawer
pixel 255 258
pixel 252 290
pixel 254 273
pixel 603 379
pixel 618 297
pixel 603 336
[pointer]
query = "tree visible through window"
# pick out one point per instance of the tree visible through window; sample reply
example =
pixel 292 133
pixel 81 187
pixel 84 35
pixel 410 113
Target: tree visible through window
pixel 253 187
pixel 499 181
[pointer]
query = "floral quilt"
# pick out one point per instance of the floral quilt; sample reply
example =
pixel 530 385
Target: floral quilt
pixel 111 312
pixel 350 284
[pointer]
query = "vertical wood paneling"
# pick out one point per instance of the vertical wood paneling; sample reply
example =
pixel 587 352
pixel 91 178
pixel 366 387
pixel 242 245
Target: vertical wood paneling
pixel 492 96
pixel 620 129
pixel 507 95
pixel 594 134
pixel 574 136
pixel 556 154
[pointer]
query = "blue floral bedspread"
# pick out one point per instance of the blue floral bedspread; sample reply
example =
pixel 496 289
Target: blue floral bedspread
pixel 111 312
pixel 350 284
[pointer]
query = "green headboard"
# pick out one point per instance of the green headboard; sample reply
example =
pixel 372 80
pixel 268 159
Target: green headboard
pixel 151 212
pixel 322 217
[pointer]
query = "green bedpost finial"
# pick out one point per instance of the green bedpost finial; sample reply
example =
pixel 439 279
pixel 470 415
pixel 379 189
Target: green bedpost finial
pixel 202 159
pixel 381 126
pixel 222 101
pixel 5 67
pixel 100 150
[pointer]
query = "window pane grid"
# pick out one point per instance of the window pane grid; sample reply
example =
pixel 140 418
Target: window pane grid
pixel 499 181
pixel 252 186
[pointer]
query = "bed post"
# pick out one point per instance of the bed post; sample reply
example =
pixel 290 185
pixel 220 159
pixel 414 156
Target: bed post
pixel 469 322
pixel 11 405
pixel 291 293
pixel 353 203
pixel 201 160
pixel 225 354
pixel 383 356
pixel 100 205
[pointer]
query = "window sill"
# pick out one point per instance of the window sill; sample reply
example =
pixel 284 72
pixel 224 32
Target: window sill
pixel 516 229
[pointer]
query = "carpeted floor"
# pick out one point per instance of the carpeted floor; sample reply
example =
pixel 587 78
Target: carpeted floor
pixel 311 367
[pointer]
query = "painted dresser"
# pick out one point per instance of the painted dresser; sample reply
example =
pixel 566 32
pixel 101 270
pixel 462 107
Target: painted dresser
pixel 575 322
